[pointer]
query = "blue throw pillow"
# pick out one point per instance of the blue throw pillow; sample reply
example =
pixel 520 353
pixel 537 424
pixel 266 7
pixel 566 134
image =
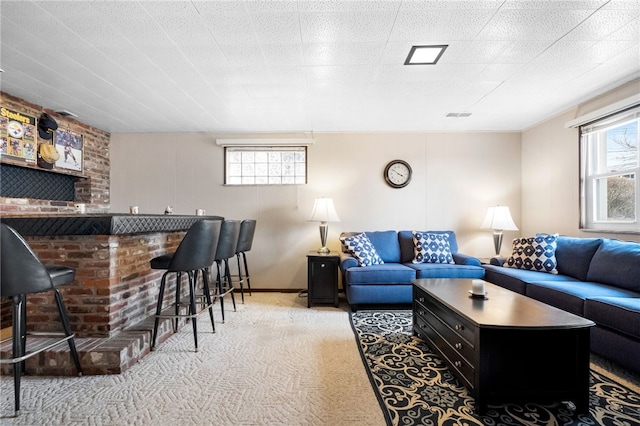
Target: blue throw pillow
pixel 431 248
pixel 361 248
pixel 535 254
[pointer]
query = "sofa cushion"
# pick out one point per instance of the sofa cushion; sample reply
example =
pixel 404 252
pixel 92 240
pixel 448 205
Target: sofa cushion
pixel 446 270
pixel 387 273
pixel 534 253
pixel 618 313
pixel 405 239
pixel 571 295
pixel 431 248
pixel 574 255
pixel 518 279
pixel 616 263
pixel 361 248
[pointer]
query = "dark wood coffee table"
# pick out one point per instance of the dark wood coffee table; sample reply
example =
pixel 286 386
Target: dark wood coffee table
pixel 507 348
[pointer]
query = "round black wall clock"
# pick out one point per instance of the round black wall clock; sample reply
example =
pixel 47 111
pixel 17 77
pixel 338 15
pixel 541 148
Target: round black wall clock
pixel 397 173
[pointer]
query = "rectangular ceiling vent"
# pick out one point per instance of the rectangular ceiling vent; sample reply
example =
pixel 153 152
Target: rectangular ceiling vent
pixel 457 114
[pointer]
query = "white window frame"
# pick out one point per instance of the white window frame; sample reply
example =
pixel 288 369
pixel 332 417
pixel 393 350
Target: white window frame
pixel 593 173
pixel 265 165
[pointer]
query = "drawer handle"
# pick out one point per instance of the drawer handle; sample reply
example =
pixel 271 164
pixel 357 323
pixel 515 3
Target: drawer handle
pixel 459 327
pixel 322 265
pixel 458 346
pixel 421 312
pixel 420 299
pixel 457 364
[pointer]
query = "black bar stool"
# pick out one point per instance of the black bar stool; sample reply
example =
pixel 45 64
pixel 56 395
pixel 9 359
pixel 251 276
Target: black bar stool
pixel 22 274
pixel 196 252
pixel 226 249
pixel 245 240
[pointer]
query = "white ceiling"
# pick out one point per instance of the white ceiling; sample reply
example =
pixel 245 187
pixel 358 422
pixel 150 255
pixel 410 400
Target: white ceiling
pixel 304 66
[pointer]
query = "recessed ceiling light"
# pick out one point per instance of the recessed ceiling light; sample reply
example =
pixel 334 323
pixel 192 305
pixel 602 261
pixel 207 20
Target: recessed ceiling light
pixel 458 114
pixel 425 55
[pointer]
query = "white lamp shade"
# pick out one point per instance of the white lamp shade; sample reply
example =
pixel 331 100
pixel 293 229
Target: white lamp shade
pixel 499 218
pixel 324 211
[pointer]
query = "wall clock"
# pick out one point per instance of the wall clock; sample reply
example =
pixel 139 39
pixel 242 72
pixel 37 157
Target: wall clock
pixel 397 173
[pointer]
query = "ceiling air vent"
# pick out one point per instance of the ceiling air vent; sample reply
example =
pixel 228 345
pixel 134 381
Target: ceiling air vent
pixel 66 113
pixel 457 114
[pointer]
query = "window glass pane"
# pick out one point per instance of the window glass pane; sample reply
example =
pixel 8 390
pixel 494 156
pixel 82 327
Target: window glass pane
pixel 615 198
pixel 622 146
pixel 265 165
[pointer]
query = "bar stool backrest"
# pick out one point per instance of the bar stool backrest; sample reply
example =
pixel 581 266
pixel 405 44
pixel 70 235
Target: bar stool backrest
pixel 197 250
pixel 228 239
pixel 245 240
pixel 21 270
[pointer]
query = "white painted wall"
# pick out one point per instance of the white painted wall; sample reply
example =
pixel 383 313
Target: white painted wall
pixel 550 171
pixel 456 176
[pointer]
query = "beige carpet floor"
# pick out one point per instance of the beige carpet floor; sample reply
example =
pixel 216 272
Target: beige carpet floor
pixel 273 362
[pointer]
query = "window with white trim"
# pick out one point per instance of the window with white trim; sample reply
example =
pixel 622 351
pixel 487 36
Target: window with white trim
pixel 610 168
pixel 261 165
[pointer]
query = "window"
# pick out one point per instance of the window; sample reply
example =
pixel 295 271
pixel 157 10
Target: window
pixel 610 167
pixel 249 165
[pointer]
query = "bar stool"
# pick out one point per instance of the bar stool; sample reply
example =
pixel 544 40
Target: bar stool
pixel 196 252
pixel 22 274
pixel 245 240
pixel 226 249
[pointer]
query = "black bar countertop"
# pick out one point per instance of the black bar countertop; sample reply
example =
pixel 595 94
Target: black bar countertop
pixel 101 224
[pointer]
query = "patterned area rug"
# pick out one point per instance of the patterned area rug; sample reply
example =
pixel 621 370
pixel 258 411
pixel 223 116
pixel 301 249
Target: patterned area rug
pixel 414 386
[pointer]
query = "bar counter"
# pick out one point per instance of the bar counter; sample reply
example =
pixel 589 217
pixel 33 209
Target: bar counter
pixel 112 300
pixel 114 286
pixel 100 224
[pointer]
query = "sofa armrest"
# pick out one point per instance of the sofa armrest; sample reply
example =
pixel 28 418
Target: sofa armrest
pixel 497 260
pixel 347 261
pixel 465 259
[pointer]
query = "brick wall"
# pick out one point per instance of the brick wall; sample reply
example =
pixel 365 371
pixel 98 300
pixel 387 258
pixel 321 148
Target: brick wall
pixel 92 188
pixel 114 286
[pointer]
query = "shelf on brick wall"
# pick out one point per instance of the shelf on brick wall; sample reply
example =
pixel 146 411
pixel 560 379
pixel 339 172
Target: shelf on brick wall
pixel 20 181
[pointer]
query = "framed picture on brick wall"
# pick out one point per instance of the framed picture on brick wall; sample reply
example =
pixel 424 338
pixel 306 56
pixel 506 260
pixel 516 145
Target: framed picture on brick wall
pixel 70 146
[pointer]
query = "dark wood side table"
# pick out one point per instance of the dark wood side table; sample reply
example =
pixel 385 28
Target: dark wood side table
pixel 322 278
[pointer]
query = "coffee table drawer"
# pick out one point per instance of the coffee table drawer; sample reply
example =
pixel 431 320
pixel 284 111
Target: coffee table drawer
pixel 464 348
pixel 456 323
pixel 461 367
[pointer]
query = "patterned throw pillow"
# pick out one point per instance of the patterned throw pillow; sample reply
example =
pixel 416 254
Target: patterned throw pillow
pixel 431 248
pixel 360 247
pixel 535 254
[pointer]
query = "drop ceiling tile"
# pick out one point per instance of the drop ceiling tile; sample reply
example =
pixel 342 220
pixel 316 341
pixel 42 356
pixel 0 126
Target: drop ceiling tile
pixel 553 4
pixel 231 28
pixel 283 54
pixel 421 25
pixel 239 55
pixel 602 24
pixel 365 26
pixel 451 4
pixel 536 24
pixel 277 27
pixel 629 31
pixel 343 53
pixel 347 6
pixel 339 74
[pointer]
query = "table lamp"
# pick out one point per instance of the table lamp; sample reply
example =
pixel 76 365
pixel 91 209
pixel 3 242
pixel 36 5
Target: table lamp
pixel 499 219
pixel 323 212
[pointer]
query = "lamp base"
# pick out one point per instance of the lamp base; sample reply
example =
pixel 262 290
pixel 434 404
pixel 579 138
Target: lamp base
pixel 497 241
pixel 324 229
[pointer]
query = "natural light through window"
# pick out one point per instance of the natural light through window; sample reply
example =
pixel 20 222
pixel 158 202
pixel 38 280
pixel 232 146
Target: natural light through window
pixel 265 165
pixel 610 165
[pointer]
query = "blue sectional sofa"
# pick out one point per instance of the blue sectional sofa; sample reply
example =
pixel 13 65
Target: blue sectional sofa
pixel 596 278
pixel 390 282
